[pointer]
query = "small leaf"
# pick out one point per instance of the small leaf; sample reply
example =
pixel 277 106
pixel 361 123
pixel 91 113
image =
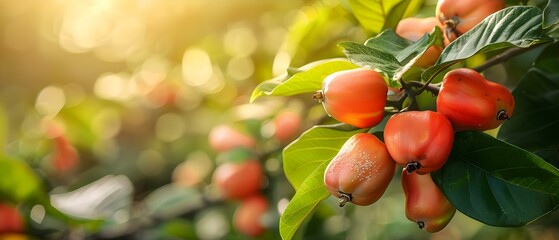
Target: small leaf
pixel 389 53
pixel 304 80
pixel 551 14
pixel 378 15
pixel 517 26
pixel 315 146
pixel 365 56
pixel 497 183
pixel 18 182
pixel 311 192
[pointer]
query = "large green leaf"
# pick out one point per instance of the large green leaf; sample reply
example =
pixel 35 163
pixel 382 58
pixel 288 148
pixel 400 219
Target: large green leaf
pixel 303 80
pixel 551 13
pixel 315 146
pixel 518 26
pixel 535 122
pixel 378 15
pixel 311 192
pixel 18 182
pixel 497 183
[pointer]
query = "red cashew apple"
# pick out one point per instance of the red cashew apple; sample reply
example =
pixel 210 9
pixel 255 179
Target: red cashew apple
pixel 426 205
pixel 420 141
pixel 247 219
pixel 356 97
pixel 361 171
pixel 11 220
pixel 287 124
pixel 223 138
pixel 238 179
pixel 471 102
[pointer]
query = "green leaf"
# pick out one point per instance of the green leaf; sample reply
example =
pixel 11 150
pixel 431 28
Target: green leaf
pixel 365 56
pixel 378 15
pixel 517 26
pixel 311 192
pixel 315 146
pixel 303 80
pixel 535 123
pixel 18 183
pixel 497 183
pixel 551 14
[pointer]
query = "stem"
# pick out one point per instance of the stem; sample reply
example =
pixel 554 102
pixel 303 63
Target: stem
pixel 431 87
pixel 410 93
pixel 503 57
pixel 344 198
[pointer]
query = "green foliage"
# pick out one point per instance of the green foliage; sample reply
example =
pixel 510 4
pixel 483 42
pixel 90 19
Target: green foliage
pixel 378 15
pixel 19 183
pixel 535 125
pixel 497 183
pixel 302 80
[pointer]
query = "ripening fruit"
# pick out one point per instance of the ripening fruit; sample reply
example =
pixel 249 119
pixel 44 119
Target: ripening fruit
pixel 361 171
pixel 238 179
pixel 248 217
pixel 65 156
pixel 223 138
pixel 356 97
pixel 426 205
pixel 11 220
pixel 287 124
pixel 459 16
pixel 420 141
pixel 471 102
pixel 413 29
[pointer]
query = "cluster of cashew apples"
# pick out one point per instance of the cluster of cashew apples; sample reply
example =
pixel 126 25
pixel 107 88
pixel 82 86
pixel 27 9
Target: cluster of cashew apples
pixel 240 177
pixel 420 141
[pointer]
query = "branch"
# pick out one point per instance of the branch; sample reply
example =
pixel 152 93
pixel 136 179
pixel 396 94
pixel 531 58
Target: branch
pixel 503 57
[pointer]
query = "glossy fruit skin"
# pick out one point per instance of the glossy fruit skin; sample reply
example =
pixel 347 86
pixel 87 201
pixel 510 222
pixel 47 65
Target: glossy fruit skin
pixel 237 180
pixel 287 124
pixel 247 219
pixel 459 16
pixel 420 141
pixel 11 220
pixel 361 171
pixel 425 203
pixel 356 97
pixel 223 138
pixel 413 29
pixel 473 103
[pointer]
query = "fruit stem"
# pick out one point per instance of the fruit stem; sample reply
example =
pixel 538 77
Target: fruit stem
pixel 319 96
pixel 502 115
pixel 450 27
pixel 420 224
pixel 410 93
pixel 430 87
pixel 412 166
pixel 344 198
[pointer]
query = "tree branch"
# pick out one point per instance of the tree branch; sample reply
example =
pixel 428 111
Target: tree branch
pixel 503 57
